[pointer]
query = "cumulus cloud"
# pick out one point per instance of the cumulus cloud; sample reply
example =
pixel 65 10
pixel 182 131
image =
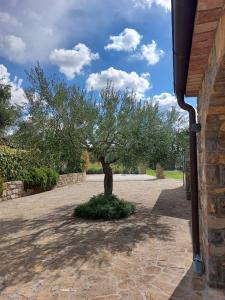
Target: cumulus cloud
pixel 166 4
pixel 17 92
pixel 52 24
pixel 127 40
pixel 151 53
pixel 165 99
pixel 13 48
pixel 72 61
pixel 120 79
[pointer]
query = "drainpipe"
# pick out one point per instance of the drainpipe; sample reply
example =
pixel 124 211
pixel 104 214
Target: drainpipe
pixel 183 18
pixel 193 128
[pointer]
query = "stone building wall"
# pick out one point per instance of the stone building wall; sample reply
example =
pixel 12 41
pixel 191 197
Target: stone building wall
pixel 211 164
pixel 15 189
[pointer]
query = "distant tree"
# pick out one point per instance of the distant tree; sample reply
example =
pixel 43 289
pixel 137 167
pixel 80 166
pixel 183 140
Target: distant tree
pixel 8 112
pixel 55 122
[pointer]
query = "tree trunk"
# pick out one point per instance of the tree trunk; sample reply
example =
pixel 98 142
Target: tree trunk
pixel 108 180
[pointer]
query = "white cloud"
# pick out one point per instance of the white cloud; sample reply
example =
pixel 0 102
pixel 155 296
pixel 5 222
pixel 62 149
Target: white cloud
pixel 17 92
pixel 166 4
pixel 13 48
pixel 165 99
pixel 120 79
pixel 8 19
pixel 127 40
pixel 72 61
pixel 151 53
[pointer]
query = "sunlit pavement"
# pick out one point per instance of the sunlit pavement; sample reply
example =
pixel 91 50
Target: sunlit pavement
pixel 47 254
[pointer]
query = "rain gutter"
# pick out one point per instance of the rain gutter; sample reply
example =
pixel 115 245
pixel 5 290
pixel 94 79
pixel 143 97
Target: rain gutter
pixel 183 18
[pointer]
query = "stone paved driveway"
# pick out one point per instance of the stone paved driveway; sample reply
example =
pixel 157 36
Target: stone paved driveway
pixel 48 255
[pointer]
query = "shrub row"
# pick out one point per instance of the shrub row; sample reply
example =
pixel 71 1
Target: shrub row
pixel 117 169
pixel 12 162
pixel 44 178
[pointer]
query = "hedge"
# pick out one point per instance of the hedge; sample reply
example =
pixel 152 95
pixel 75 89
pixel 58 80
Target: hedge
pixel 12 162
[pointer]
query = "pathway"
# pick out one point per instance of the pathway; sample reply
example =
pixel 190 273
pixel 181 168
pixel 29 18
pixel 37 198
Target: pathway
pixel 45 254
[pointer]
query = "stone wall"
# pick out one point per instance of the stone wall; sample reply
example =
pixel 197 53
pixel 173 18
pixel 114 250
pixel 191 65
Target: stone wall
pixel 12 190
pixel 15 189
pixel 211 143
pixel 71 178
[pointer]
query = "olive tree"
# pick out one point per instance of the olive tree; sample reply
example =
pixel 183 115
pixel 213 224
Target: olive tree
pixel 55 123
pixel 115 131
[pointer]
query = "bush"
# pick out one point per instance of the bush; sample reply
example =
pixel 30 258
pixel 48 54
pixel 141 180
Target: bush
pixel 86 160
pixel 44 178
pixel 11 162
pixel 52 177
pixel 106 208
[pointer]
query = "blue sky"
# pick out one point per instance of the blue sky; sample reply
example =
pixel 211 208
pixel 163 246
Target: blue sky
pixel 89 42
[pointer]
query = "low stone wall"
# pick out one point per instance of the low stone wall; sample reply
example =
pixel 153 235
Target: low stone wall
pixel 15 189
pixel 71 178
pixel 12 190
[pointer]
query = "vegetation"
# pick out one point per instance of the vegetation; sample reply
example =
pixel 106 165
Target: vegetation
pixel 56 124
pixel 44 178
pixel 8 112
pixel 86 160
pixel 175 174
pixel 12 162
pixel 65 125
pixel 104 207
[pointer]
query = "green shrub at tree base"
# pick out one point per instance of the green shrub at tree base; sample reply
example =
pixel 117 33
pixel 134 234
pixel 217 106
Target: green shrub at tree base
pixel 105 208
pixel 44 178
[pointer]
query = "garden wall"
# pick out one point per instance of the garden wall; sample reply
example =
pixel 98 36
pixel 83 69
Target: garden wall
pixel 67 179
pixel 15 189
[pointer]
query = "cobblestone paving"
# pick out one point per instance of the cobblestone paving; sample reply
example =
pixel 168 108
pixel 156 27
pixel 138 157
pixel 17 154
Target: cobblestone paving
pixel 45 254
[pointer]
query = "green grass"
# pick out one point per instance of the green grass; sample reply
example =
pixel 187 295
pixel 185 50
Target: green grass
pixel 175 174
pixel 97 168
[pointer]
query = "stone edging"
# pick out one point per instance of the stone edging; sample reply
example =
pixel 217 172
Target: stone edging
pixel 15 189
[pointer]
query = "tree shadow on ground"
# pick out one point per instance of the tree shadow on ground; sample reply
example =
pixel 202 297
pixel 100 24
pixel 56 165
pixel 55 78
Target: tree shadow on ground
pixel 57 240
pixel 173 203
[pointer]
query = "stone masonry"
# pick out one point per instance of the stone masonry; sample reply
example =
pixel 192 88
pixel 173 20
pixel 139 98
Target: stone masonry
pixel 12 190
pixel 15 189
pixel 211 140
pixel 67 179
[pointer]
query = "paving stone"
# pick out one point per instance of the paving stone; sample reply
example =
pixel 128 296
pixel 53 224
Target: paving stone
pixel 45 254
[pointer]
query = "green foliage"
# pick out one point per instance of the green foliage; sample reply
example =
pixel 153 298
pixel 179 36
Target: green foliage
pixel 175 174
pixel 1 186
pixel 44 178
pixel 86 160
pixel 58 122
pixel 52 175
pixel 11 162
pixel 106 208
pixel 7 111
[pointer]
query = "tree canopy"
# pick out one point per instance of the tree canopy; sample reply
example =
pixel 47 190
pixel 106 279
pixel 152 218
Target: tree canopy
pixel 62 121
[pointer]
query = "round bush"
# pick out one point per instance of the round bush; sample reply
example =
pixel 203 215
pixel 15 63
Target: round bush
pixel 104 207
pixel 44 178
